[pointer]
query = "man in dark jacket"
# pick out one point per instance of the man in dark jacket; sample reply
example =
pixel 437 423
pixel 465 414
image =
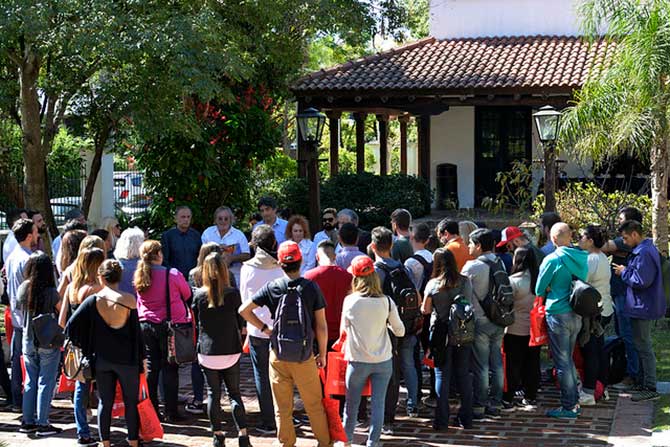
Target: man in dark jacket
pixel 645 302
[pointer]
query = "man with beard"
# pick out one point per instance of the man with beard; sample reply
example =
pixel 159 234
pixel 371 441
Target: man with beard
pixel 329 224
pixel 10 241
pixel 42 233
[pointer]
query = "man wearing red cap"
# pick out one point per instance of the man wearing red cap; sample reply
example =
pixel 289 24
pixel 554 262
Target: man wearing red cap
pixel 285 374
pixel 514 238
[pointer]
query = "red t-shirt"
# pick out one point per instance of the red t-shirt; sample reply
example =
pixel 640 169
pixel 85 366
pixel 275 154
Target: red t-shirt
pixel 335 284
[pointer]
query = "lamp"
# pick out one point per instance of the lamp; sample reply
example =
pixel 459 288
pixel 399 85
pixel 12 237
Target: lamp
pixel 547 121
pixel 311 123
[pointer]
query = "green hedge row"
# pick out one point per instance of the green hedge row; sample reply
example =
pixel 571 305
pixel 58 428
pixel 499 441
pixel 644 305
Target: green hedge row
pixel 372 196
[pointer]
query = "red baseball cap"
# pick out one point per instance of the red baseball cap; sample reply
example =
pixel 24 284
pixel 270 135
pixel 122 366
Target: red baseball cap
pixel 289 252
pixel 509 234
pixel 361 265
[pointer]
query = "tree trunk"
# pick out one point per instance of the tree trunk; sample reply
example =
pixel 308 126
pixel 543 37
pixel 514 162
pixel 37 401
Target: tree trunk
pixel 34 156
pixel 96 163
pixel 549 176
pixel 659 194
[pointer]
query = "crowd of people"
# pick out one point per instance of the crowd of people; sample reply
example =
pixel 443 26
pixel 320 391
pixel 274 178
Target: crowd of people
pixel 394 301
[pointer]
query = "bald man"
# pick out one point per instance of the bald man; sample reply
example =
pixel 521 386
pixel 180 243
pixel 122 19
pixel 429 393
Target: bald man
pixel 554 282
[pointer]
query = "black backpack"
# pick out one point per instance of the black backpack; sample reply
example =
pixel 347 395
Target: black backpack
pixel 399 287
pixel 427 272
pixel 292 334
pixel 615 352
pixel 584 298
pixel 461 322
pixel 498 304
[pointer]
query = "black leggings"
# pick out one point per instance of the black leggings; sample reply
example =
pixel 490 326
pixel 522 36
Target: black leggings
pixel 231 377
pixel 522 366
pixel 106 375
pixel 155 340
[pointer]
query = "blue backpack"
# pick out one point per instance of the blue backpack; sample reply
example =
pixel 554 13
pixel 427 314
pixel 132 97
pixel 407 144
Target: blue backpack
pixel 292 335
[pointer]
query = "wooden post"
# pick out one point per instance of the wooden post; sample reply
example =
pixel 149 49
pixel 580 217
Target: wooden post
pixel 423 128
pixel 302 155
pixel 549 176
pixel 313 184
pixel 383 121
pixel 404 119
pixel 334 128
pixel 359 117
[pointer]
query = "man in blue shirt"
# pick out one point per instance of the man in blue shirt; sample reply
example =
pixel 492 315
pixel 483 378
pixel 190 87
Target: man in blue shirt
pixel 26 234
pixel 548 220
pixel 181 244
pixel 268 208
pixel 644 303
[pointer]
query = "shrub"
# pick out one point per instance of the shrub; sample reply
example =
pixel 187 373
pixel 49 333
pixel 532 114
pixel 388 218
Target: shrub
pixel 580 204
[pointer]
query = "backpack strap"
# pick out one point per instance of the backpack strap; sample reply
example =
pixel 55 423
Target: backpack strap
pixel 420 259
pixel 491 265
pixel 167 295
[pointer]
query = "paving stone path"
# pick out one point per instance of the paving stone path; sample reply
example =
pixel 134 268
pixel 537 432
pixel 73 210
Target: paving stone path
pixel 520 428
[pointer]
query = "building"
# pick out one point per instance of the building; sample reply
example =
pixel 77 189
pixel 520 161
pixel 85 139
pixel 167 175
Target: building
pixel 470 89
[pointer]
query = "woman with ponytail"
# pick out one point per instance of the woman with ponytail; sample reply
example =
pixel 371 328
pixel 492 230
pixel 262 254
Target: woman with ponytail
pixel 215 307
pixel 153 283
pixel 84 283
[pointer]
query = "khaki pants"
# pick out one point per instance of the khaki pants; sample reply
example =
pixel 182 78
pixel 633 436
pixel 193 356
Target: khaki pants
pixel 283 376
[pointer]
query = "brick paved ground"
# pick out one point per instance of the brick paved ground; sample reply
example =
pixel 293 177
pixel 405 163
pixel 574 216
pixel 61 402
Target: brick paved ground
pixel 517 429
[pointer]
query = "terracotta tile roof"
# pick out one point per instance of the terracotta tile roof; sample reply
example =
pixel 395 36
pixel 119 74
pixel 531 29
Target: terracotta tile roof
pixel 525 63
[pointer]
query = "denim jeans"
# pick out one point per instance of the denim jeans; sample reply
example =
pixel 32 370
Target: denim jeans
pixel 259 350
pixel 231 378
pixel 563 331
pixel 626 333
pixel 128 376
pixel 81 396
pixel 486 356
pixel 41 372
pixel 198 382
pixel 17 376
pixel 645 351
pixel 406 347
pixel 456 363
pixel 357 376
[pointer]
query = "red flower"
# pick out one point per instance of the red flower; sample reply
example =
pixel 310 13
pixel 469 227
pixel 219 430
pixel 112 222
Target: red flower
pixel 170 199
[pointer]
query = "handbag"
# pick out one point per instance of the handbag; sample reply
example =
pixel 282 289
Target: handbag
pixel 150 425
pixel 47 331
pixel 180 336
pixel 76 366
pixel 539 335
pixel 336 373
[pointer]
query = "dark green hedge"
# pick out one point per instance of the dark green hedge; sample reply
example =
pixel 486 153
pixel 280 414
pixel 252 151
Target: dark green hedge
pixel 372 196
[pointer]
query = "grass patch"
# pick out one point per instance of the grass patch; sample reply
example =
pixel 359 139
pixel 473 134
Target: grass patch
pixel 660 334
pixel 662 413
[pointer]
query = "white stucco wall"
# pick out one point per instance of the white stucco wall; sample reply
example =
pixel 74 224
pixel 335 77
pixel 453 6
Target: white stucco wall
pixel 484 18
pixel 452 140
pixel 102 203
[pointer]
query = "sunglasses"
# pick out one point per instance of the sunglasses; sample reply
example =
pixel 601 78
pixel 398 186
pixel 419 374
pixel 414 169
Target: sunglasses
pixel 328 219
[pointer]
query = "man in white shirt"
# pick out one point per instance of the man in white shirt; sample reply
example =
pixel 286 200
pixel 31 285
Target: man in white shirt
pixel 329 224
pixel 256 273
pixel 10 241
pixel 232 240
pixel 268 208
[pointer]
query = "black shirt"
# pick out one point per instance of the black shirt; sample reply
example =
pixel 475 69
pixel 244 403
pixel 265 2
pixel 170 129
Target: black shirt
pixel 219 327
pixel 271 293
pixel 181 249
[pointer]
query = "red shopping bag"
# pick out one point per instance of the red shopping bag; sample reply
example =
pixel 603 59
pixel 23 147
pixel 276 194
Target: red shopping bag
pixel 336 376
pixel 23 372
pixel 9 327
pixel 539 335
pixel 65 385
pixel 504 366
pixel 118 407
pixel 332 409
pixel 150 425
pixel 245 345
pixel 339 343
pixel 429 362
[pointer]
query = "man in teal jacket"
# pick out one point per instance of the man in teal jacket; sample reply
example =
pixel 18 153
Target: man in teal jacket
pixel 554 282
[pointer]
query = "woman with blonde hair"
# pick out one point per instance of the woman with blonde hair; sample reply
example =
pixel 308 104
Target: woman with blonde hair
pixel 111 224
pixel 366 315
pixel 84 284
pixel 69 249
pixel 154 283
pixel 297 230
pixel 466 227
pixel 91 241
pixel 215 306
pixel 195 275
pixel 127 252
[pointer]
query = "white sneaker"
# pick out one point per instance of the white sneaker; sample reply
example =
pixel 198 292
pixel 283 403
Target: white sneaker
pixel 606 395
pixel 586 399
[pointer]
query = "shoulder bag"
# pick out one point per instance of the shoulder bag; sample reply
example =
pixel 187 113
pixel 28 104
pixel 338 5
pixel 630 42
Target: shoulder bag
pixel 180 336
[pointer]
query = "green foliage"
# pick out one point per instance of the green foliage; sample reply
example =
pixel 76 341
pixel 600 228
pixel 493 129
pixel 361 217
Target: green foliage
pixel 516 193
pixel 215 168
pixel 373 197
pixel 580 204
